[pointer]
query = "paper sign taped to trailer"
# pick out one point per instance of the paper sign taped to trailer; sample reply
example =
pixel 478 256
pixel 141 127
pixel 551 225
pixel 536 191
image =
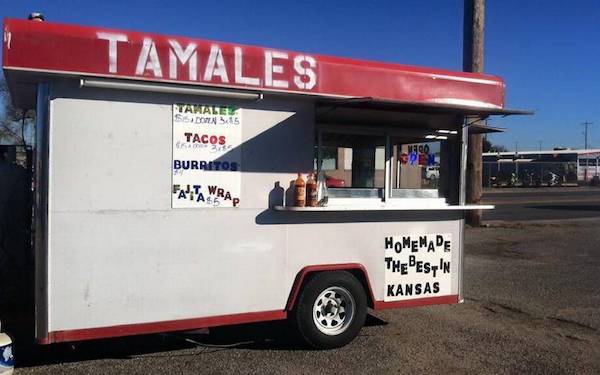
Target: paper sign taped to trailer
pixel 417 266
pixel 206 156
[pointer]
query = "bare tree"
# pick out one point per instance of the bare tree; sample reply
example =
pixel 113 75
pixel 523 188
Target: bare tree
pixel 16 258
pixel 498 148
pixel 16 126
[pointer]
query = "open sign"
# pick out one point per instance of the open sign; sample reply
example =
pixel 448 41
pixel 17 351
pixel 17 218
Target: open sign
pixel 421 149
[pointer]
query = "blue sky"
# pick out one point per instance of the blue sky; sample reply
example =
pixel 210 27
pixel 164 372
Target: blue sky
pixel 548 52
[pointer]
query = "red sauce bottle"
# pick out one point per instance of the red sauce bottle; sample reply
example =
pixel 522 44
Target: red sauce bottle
pixel 300 194
pixel 311 191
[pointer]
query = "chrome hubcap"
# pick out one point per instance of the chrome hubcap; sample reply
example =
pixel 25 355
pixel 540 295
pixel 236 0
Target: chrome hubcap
pixel 333 310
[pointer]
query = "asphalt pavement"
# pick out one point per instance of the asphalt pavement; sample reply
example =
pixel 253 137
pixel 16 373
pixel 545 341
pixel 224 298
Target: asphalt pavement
pixel 532 306
pixel 551 203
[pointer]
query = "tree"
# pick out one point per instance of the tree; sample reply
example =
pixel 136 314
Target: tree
pixel 498 148
pixel 16 126
pixel 16 259
pixel 489 147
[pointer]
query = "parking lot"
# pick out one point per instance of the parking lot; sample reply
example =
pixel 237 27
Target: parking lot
pixel 532 306
pixel 550 203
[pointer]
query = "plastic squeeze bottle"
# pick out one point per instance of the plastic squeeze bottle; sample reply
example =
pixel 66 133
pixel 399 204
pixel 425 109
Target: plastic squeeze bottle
pixel 311 191
pixel 300 194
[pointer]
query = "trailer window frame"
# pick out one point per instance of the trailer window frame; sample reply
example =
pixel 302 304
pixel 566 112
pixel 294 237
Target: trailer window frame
pixel 387 194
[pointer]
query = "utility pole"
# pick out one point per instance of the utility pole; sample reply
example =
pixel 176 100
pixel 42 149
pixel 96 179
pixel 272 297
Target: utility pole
pixel 516 157
pixel 587 160
pixel 540 146
pixel 473 35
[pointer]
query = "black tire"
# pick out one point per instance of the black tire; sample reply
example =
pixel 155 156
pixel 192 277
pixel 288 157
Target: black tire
pixel 337 284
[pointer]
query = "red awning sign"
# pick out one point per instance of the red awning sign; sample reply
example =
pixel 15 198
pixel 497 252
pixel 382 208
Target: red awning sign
pixel 45 47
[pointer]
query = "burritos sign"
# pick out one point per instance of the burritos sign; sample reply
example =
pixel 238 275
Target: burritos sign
pixel 46 47
pixel 417 266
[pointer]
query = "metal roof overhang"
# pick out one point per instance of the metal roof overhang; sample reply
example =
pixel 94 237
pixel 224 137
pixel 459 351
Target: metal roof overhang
pixel 421 107
pixel 370 111
pixel 484 129
pixel 344 90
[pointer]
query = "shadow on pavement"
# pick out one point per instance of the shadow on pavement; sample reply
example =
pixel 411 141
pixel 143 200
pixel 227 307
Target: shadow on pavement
pixel 258 336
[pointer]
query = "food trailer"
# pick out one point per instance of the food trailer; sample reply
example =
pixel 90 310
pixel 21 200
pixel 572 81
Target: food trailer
pixel 165 182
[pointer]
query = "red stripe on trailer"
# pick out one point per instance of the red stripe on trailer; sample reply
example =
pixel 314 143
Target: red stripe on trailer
pixel 325 267
pixel 73 50
pixel 441 300
pixel 223 320
pixel 165 326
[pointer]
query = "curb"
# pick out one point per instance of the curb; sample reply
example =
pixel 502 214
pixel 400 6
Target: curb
pixel 506 223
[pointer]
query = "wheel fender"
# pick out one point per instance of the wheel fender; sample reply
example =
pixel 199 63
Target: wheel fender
pixel 356 269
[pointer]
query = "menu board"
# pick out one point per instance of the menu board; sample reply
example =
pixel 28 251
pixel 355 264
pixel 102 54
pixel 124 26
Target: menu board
pixel 206 165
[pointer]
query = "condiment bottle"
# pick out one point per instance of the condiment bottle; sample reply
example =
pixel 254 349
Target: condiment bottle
pixel 311 191
pixel 300 193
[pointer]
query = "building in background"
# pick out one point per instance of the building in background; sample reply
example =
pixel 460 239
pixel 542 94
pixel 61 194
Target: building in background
pixel 536 168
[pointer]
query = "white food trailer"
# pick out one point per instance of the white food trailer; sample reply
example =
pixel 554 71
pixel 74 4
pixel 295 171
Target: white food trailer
pixel 164 182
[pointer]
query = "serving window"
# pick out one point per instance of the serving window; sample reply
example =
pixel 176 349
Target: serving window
pixel 385 164
pixel 353 165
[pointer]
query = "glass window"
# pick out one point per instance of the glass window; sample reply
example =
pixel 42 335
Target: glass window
pixel 587 162
pixel 354 165
pixel 417 165
pixel 329 159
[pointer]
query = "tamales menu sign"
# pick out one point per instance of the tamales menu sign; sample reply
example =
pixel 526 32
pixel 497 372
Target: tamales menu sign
pixel 206 156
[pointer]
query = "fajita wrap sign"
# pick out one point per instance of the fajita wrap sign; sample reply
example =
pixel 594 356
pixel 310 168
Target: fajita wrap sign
pixel 417 266
pixel 206 156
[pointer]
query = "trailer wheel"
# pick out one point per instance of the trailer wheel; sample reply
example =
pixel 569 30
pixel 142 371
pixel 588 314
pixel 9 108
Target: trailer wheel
pixel 331 310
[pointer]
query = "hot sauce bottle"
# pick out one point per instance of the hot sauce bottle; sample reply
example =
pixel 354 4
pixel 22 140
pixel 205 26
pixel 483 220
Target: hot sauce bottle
pixel 311 191
pixel 300 194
